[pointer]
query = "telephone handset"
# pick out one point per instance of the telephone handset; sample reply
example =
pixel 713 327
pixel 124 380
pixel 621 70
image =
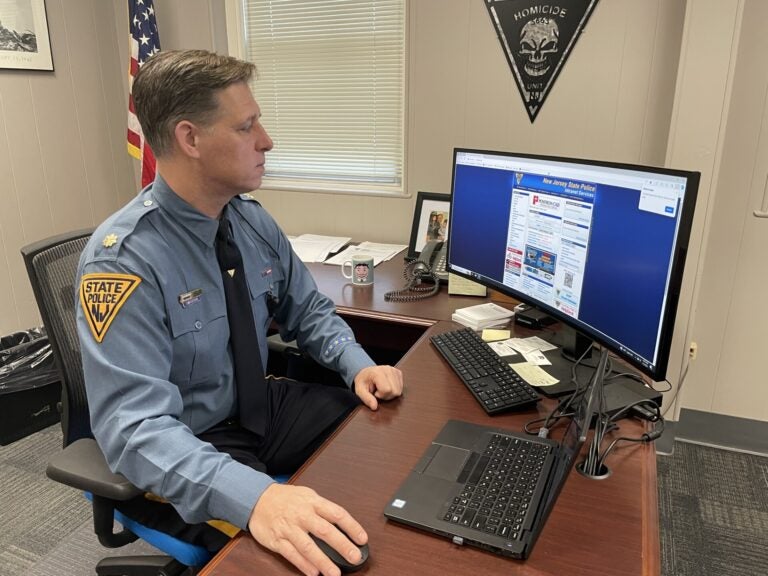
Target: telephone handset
pixel 434 256
pixel 429 267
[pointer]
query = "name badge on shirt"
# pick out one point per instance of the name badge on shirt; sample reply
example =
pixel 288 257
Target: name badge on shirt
pixel 189 298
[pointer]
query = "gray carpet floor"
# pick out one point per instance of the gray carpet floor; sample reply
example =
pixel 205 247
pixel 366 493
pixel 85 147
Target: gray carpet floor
pixel 46 527
pixel 713 508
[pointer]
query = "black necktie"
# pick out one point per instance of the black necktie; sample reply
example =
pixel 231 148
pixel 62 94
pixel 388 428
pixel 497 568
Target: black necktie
pixel 249 373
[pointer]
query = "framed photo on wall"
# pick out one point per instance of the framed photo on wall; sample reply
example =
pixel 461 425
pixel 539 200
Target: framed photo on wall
pixel 24 40
pixel 430 221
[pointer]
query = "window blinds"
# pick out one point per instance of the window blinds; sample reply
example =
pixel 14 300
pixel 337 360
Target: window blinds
pixel 331 87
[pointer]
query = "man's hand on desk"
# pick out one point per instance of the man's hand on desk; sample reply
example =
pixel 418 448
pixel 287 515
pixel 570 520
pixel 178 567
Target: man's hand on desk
pixel 285 515
pixel 378 383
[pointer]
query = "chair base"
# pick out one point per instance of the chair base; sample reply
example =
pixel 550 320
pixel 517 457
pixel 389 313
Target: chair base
pixel 141 566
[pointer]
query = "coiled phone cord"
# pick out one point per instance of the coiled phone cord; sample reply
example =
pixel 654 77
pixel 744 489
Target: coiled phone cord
pixel 414 272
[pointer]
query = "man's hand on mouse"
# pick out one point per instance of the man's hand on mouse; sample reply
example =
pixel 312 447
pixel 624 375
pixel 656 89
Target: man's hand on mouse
pixel 285 515
pixel 376 383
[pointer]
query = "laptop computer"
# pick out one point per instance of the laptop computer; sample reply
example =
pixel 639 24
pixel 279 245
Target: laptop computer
pixel 489 487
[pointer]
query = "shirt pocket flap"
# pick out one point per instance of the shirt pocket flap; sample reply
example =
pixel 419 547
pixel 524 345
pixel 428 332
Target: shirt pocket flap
pixel 264 281
pixel 196 312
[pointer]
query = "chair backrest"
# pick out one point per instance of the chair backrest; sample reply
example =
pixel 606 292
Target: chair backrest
pixel 52 267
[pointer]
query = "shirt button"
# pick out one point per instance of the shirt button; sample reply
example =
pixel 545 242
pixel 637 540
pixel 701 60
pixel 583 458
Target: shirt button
pixel 147 202
pixel 198 324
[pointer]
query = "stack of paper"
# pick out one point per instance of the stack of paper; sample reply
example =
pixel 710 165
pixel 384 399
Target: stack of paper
pixel 315 248
pixel 482 316
pixel 379 252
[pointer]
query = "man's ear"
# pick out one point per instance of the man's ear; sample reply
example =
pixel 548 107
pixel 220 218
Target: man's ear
pixel 187 135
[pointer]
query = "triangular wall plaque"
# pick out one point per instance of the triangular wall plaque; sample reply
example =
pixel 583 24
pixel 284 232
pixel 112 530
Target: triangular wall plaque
pixel 537 38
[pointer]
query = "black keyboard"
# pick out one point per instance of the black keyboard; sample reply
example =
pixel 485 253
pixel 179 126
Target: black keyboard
pixel 495 385
pixel 497 495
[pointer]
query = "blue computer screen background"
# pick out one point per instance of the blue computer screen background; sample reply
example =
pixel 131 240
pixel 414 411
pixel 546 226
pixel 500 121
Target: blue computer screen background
pixel 627 264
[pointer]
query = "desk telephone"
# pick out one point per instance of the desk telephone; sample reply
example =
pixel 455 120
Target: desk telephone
pixel 423 275
pixel 434 256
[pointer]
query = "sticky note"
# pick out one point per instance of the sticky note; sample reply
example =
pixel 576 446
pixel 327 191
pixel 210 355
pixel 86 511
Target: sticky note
pixel 493 335
pixel 534 375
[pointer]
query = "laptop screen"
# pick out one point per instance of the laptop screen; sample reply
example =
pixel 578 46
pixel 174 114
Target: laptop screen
pixel 575 435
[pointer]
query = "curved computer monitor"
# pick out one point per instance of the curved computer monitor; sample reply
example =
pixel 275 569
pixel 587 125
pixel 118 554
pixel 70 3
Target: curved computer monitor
pixel 599 246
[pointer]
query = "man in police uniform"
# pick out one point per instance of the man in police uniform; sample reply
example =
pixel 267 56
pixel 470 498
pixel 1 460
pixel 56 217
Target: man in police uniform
pixel 154 331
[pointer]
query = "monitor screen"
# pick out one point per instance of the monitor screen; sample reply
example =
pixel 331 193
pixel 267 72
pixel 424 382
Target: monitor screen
pixel 599 246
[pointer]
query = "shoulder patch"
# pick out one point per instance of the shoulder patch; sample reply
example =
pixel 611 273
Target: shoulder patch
pixel 102 296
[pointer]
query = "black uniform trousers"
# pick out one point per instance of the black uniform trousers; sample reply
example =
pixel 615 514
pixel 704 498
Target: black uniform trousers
pixel 300 417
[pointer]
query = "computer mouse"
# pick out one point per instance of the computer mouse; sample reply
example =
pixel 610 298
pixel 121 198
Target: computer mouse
pixel 344 565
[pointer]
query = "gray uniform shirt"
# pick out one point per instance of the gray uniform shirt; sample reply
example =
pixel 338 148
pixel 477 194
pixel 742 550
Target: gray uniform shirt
pixel 154 336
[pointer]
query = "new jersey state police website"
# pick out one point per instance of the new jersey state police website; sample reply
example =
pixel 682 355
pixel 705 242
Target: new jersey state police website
pixel 549 223
pixel 593 242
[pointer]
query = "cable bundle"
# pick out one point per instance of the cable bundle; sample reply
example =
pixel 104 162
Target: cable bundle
pixel 591 465
pixel 594 465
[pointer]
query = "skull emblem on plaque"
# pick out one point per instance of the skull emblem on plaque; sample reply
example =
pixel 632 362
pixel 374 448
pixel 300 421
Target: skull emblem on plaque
pixel 538 43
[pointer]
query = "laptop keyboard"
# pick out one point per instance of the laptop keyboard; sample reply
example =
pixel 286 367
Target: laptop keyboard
pixel 493 383
pixel 498 492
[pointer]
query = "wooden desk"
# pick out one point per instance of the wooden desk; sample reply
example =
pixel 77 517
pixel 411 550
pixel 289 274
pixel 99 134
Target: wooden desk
pixel 368 301
pixel 598 527
pixel 387 325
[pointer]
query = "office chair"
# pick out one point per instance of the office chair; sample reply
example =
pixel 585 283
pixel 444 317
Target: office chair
pixel 52 266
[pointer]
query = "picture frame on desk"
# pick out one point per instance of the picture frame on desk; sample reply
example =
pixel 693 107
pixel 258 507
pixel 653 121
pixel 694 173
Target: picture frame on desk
pixel 430 221
pixel 24 39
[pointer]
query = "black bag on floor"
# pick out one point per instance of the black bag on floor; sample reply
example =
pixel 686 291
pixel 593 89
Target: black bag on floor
pixel 30 386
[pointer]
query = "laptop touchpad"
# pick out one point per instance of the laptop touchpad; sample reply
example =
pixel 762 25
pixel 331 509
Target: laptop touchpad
pixel 447 463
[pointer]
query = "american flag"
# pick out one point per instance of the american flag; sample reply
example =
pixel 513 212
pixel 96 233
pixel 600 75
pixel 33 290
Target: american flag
pixel 145 41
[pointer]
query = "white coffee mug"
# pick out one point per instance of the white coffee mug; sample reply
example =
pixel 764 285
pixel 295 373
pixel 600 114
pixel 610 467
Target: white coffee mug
pixel 360 270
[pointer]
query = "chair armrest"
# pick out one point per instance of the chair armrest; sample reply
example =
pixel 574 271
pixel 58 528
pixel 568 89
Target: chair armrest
pixel 82 465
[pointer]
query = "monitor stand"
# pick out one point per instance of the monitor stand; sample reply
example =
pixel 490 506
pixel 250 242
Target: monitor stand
pixel 619 391
pixel 575 345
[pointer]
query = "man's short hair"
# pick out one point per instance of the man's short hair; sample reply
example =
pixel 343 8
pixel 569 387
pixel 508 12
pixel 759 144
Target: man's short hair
pixel 176 85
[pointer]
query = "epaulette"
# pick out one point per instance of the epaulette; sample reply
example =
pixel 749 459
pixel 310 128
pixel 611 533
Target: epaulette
pixel 248 196
pixel 114 233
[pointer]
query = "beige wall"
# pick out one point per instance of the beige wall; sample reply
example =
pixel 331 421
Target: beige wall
pixel 648 82
pixel 63 161
pixel 613 100
pixel 63 158
pixel 727 128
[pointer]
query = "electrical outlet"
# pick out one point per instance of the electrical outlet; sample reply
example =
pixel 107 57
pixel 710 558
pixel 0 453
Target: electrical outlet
pixel 693 350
